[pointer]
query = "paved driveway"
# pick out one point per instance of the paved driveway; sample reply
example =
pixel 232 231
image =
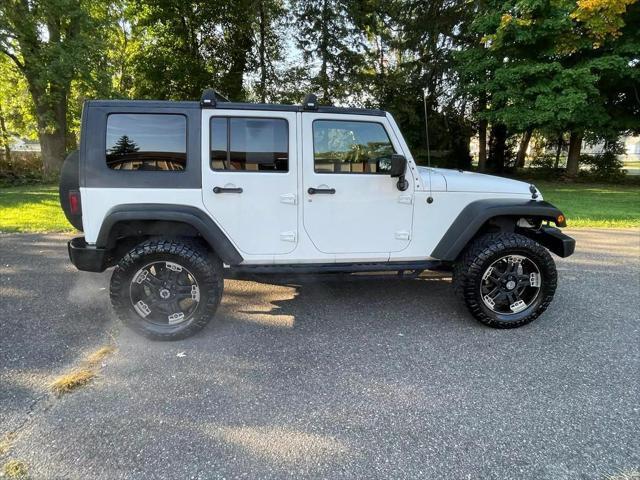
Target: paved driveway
pixel 380 379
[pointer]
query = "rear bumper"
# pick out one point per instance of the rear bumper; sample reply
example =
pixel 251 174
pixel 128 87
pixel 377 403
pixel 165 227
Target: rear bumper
pixel 554 240
pixel 86 257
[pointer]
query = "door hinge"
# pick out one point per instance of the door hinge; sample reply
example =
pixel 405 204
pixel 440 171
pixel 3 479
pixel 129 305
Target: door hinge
pixel 407 199
pixel 403 235
pixel 288 236
pixel 288 198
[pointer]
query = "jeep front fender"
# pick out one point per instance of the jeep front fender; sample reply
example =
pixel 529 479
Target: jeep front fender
pixel 476 214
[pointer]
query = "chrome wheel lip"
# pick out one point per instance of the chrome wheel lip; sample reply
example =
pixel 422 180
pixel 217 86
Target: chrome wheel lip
pixel 165 293
pixel 535 281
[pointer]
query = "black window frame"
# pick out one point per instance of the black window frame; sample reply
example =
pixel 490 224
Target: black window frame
pixel 313 139
pixel 186 141
pixel 249 117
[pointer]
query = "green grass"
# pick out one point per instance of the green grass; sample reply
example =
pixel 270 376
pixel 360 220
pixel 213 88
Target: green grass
pixel 595 206
pixel 36 208
pixel 32 208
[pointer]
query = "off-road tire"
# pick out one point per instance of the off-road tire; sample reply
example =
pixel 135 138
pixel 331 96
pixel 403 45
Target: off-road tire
pixel 476 259
pixel 206 267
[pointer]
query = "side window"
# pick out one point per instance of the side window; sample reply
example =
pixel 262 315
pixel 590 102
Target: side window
pixel 351 147
pixel 249 144
pixel 146 142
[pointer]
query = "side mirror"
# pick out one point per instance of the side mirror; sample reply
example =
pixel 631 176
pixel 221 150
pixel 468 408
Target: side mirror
pixel 398 167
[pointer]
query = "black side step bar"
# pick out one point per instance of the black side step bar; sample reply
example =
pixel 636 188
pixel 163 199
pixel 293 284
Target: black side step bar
pixel 336 267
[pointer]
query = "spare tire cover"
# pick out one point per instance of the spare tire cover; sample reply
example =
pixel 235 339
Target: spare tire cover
pixel 70 180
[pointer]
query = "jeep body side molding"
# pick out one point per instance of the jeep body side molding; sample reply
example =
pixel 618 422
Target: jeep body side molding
pixel 192 216
pixel 477 213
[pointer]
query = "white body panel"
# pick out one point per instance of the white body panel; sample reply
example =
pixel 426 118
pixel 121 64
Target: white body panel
pixel 263 219
pixel 368 219
pixel 461 181
pixel 96 203
pixel 366 215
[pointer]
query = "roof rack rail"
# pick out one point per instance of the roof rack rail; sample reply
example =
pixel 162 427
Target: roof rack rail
pixel 210 98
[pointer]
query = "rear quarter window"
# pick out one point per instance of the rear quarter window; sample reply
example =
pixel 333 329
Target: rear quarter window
pixel 146 142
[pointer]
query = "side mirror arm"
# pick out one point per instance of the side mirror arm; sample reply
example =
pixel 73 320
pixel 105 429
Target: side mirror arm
pixel 398 169
pixel 403 183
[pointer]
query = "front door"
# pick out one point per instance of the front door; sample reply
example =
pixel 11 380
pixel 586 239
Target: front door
pixel 249 178
pixel 351 203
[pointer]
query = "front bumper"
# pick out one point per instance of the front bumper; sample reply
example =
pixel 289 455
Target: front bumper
pixel 86 257
pixel 554 240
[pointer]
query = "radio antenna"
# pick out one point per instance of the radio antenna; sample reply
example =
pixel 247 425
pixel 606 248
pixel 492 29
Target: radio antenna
pixel 426 129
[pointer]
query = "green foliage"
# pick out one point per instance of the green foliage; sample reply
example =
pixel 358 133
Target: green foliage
pixel 554 67
pixel 327 38
pixel 55 44
pixel 16 106
pixel 536 63
pixel 546 163
pixel 604 166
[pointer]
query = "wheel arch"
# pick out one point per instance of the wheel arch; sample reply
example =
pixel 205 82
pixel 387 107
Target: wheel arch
pixel 491 215
pixel 131 221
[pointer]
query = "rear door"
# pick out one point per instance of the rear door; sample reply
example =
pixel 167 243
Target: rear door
pixel 249 177
pixel 351 204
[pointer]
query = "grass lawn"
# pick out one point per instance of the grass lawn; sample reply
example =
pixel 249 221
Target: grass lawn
pixel 36 208
pixel 32 208
pixel 596 206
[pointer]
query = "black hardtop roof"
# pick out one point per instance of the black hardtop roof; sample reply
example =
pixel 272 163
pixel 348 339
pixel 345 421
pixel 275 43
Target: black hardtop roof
pixel 232 106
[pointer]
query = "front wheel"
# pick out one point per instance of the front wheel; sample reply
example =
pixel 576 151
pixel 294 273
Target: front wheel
pixel 505 279
pixel 167 290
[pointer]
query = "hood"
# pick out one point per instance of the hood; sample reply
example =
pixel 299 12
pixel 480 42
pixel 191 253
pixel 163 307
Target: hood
pixel 460 181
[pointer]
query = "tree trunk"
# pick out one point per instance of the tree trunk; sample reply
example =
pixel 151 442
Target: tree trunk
pixel 52 147
pixel 482 134
pixel 558 151
pixel 522 149
pixel 323 47
pixel 573 158
pixel 52 130
pixel 482 145
pixel 497 146
pixel 4 134
pixel 262 51
pixel 241 42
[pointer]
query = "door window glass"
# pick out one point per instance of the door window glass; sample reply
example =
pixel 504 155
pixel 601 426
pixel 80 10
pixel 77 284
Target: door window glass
pixel 146 142
pixel 249 144
pixel 219 142
pixel 341 146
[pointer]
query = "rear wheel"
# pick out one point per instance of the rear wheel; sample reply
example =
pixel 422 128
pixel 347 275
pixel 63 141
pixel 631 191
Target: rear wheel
pixel 506 280
pixel 167 290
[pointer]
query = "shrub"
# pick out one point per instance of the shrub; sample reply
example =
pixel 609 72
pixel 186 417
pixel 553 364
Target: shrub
pixel 603 166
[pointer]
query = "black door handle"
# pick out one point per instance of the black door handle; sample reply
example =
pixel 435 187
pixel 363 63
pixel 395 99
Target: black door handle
pixel 328 191
pixel 227 190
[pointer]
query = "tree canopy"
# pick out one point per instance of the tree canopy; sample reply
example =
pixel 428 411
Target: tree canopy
pixel 498 70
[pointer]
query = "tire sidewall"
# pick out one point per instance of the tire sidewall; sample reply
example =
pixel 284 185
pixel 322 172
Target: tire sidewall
pixel 485 250
pixel 545 280
pixel 206 275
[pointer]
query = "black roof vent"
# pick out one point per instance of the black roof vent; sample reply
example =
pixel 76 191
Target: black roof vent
pixel 310 102
pixel 210 98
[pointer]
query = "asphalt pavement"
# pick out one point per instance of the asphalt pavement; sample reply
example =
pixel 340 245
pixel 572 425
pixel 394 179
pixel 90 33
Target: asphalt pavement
pixel 299 379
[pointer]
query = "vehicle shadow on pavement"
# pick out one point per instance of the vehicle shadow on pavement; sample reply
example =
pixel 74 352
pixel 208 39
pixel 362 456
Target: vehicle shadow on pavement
pixel 329 305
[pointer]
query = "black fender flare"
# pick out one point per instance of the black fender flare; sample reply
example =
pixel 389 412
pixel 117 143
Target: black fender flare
pixel 476 214
pixel 192 216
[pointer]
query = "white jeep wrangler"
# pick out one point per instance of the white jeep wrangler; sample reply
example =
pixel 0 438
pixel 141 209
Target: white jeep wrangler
pixel 178 195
